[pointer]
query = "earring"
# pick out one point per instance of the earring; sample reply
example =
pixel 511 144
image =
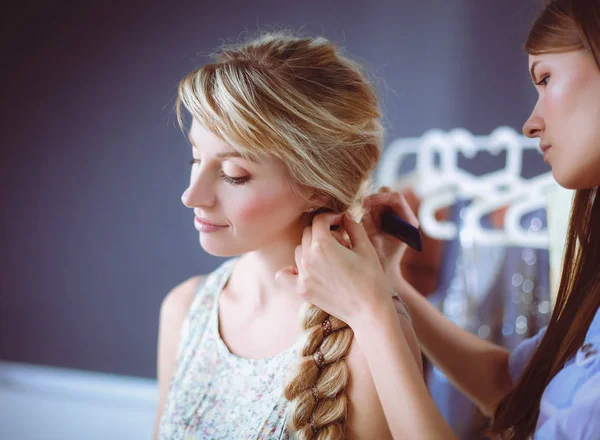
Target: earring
pixel 311 209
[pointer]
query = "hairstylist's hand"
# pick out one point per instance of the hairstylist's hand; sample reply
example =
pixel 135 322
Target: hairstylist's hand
pixel 340 279
pixel 389 249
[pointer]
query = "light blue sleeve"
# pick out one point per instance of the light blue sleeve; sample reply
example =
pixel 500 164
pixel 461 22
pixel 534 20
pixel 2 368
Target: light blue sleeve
pixel 570 404
pixel 521 355
pixel 578 421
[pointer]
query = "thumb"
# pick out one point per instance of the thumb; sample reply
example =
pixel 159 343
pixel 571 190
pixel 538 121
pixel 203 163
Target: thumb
pixel 368 221
pixel 356 232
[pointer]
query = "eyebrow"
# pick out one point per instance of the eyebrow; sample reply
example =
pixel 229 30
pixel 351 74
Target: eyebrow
pixel 224 155
pixel 532 70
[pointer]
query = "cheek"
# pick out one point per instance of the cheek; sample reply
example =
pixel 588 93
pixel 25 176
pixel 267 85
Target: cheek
pixel 589 113
pixel 572 109
pixel 556 105
pixel 260 207
pixel 572 115
pixel 564 116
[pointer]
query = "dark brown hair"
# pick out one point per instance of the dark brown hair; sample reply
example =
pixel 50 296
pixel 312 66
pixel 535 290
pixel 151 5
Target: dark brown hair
pixel 563 25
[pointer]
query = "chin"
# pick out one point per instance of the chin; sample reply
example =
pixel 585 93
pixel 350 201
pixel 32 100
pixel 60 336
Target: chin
pixel 219 249
pixel 574 180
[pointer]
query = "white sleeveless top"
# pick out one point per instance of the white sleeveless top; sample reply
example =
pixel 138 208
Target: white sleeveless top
pixel 215 394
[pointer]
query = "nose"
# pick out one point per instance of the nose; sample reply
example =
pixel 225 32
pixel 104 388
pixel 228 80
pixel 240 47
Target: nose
pixel 185 197
pixel 535 125
pixel 199 192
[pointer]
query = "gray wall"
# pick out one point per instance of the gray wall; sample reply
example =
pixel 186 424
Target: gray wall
pixel 93 231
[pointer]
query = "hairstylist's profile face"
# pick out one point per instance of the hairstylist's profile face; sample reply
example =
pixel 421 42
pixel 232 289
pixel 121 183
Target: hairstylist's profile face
pixel 566 117
pixel 251 203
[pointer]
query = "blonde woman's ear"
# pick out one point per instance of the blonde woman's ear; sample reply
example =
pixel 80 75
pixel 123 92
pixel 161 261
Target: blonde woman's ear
pixel 319 198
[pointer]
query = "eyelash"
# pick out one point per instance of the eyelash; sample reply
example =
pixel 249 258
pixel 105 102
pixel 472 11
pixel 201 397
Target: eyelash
pixel 541 82
pixel 225 177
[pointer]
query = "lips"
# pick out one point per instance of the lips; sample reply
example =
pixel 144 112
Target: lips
pixel 544 148
pixel 209 222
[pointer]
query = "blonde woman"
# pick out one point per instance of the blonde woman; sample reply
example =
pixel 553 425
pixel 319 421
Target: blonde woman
pixel 283 128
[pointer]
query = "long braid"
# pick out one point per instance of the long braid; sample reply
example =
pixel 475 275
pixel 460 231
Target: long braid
pixel 317 388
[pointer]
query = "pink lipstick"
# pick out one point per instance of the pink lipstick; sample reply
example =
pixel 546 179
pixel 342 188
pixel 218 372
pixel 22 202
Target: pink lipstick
pixel 203 226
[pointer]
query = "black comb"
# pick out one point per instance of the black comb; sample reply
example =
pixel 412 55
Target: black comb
pixel 402 230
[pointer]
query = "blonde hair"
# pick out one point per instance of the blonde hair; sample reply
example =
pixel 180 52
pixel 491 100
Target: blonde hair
pixel 303 102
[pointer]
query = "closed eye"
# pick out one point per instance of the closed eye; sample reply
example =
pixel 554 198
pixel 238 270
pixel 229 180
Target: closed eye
pixel 231 180
pixel 544 81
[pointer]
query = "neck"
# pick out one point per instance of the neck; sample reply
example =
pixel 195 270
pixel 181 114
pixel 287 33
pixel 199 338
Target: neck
pixel 253 279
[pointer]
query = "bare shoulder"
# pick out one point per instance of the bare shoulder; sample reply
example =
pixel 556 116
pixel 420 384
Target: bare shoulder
pixel 365 415
pixel 176 303
pixel 173 310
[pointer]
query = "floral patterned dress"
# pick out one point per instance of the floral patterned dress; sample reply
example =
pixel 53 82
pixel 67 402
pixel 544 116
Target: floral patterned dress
pixel 215 394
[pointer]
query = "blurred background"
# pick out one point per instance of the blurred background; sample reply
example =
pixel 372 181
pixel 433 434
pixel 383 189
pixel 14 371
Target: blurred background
pixel 94 234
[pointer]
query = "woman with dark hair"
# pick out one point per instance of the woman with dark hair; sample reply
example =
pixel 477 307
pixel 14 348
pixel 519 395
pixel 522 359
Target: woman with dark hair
pixel 549 386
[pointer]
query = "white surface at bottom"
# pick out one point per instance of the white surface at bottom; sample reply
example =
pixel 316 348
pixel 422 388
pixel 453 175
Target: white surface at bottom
pixel 46 403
